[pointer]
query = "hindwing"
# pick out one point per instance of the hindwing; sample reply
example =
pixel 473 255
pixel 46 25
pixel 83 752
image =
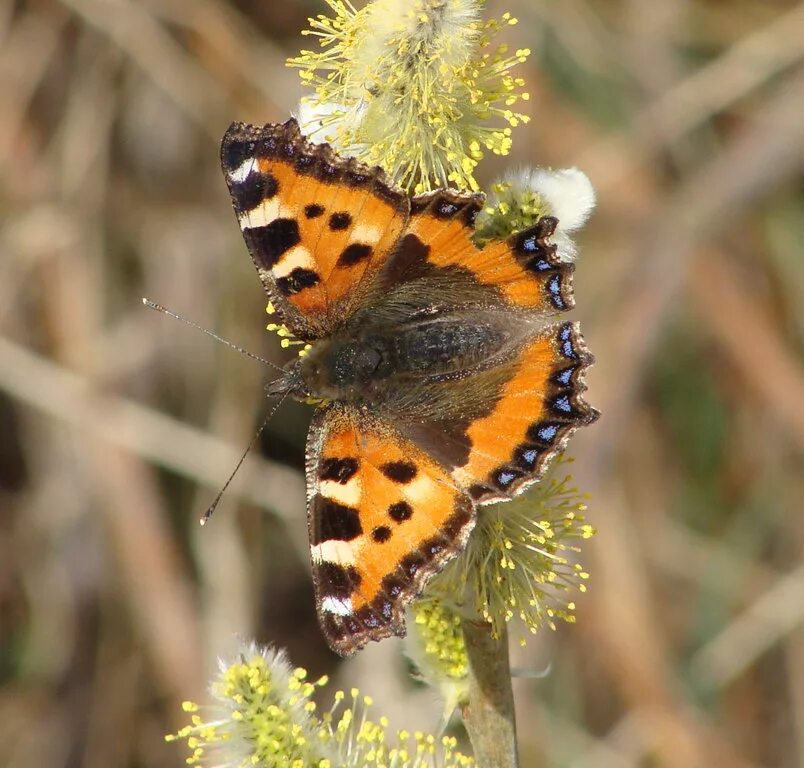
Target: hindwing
pixel 383 516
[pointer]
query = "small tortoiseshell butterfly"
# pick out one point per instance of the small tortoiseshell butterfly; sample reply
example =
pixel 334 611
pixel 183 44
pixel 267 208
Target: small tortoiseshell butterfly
pixel 443 388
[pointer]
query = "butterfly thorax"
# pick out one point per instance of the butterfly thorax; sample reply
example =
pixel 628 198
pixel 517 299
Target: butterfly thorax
pixel 363 365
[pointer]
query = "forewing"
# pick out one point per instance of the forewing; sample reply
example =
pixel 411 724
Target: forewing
pixel 318 226
pixel 383 518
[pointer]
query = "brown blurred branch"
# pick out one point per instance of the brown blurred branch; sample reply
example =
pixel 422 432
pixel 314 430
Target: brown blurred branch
pixel 733 316
pixel 238 49
pixel 743 67
pixel 188 451
pixel 770 618
pixel 767 151
pixel 157 583
pixel 130 27
pixel 25 56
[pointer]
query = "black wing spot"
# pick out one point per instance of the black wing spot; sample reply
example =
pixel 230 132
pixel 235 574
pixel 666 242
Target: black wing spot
pixel 410 564
pixel 269 242
pixel 399 471
pixel 478 491
pixel 340 221
pixel 355 178
pixel 235 153
pixel 327 172
pixel 381 534
pixel 354 254
pixel 335 580
pixel 340 470
pixel 270 186
pixel 305 163
pixel 435 546
pixel 255 188
pixel 400 511
pixel 393 586
pixel 334 521
pixel 297 280
pixel 445 209
pixel 367 616
pixel 409 257
pixel 333 627
pixel 459 519
pixel 313 211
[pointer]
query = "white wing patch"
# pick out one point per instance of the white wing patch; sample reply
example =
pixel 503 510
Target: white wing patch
pixel 344 493
pixel 244 170
pixel 333 551
pixel 419 491
pixel 365 233
pixel 290 260
pixel 337 606
pixel 264 213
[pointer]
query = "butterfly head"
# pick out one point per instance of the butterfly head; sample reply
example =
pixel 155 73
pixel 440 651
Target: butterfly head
pixel 289 383
pixel 332 369
pixel 339 369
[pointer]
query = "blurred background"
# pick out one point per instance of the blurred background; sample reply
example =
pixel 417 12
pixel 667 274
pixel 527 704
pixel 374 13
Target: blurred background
pixel 119 425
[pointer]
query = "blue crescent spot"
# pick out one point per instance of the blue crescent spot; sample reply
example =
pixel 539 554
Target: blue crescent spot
pixel 530 455
pixel 565 377
pixel 562 404
pixel 547 432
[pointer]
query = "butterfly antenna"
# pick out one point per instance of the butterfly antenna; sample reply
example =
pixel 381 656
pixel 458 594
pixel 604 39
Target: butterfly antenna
pixel 159 308
pixel 239 464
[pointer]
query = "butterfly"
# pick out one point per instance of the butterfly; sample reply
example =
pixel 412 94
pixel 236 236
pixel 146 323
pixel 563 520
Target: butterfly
pixel 442 384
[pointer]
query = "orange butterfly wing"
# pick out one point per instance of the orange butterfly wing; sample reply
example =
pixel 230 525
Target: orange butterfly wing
pixel 531 414
pixel 525 268
pixel 383 516
pixel 318 226
pixel 539 407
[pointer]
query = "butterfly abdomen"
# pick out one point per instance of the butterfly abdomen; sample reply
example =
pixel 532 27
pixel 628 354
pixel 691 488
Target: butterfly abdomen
pixel 362 367
pixel 444 347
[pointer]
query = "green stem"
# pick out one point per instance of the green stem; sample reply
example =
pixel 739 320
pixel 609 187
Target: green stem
pixel 489 712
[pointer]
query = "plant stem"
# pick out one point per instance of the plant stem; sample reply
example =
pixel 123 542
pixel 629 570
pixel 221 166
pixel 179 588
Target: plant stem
pixel 489 713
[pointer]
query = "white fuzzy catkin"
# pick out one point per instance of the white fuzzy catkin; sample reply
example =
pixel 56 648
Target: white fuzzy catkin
pixel 566 194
